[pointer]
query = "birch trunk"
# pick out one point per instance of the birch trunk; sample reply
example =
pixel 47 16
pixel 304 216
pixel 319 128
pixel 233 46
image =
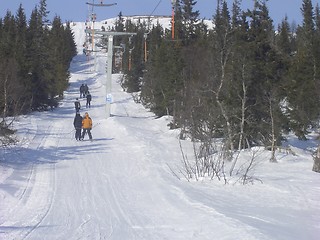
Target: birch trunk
pixel 316 164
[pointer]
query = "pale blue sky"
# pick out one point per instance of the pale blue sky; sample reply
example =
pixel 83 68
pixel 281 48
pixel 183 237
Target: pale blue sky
pixel 77 10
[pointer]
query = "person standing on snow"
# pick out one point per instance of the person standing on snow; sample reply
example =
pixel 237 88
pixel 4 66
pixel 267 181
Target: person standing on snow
pixel 88 104
pixel 77 123
pixel 82 91
pixel 86 126
pixel 77 105
pixel 86 90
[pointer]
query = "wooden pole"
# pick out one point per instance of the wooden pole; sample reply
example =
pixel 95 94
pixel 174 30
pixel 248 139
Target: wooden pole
pixel 172 23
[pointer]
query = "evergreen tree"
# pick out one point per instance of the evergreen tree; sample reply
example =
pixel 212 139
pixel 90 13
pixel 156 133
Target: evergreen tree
pixel 8 64
pixel 57 61
pixel 303 109
pixel 119 24
pixel 219 75
pixel 285 39
pixel 264 76
pixel 35 60
pixel 190 21
pixel 71 47
pixel 239 81
pixel 316 46
pixel 21 24
pixel 43 13
pixel 285 44
pixel 160 82
pixel 132 81
pixel 21 57
pixel 119 27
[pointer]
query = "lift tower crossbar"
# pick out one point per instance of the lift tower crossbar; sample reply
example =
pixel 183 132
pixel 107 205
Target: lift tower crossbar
pixel 101 4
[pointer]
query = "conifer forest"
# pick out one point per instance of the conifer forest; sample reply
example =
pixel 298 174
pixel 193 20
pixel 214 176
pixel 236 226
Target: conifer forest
pixel 244 80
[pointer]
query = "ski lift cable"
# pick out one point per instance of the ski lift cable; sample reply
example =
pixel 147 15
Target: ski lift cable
pixel 156 7
pixel 149 18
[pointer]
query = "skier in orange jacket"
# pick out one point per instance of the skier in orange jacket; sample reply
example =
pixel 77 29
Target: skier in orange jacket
pixel 86 126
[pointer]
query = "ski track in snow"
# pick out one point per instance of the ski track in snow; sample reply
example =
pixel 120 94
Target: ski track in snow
pixel 39 179
pixel 119 186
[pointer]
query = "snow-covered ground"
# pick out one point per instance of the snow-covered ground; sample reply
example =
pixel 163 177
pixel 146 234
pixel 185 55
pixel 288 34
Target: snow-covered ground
pixel 120 186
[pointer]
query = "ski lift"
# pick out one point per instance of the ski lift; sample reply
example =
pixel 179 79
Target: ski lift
pixel 101 4
pixel 93 17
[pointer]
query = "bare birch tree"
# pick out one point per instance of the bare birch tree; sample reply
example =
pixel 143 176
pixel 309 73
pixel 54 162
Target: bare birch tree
pixel 316 158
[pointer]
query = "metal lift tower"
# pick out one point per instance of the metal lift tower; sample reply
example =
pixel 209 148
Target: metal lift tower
pixel 109 35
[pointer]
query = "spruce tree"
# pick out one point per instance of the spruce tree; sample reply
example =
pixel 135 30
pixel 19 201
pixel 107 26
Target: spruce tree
pixel 240 78
pixel 190 21
pixel 160 83
pixel 263 79
pixel 222 74
pixel 8 64
pixel 58 61
pixel 35 60
pixel 303 109
pixel 71 47
pixel 132 81
pixel 35 57
pixel 21 56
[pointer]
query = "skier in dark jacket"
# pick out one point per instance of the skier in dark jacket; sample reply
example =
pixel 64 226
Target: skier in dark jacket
pixel 85 90
pixel 82 91
pixel 77 105
pixel 77 123
pixel 88 104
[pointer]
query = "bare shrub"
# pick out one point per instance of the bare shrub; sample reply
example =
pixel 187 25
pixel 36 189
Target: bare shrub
pixel 7 136
pixel 206 163
pixel 209 161
pixel 246 169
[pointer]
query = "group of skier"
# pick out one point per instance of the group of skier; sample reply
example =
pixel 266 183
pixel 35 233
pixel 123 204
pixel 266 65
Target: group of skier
pixel 84 90
pixel 84 93
pixel 82 125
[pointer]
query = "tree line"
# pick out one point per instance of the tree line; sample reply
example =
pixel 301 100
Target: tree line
pixel 35 57
pixel 243 80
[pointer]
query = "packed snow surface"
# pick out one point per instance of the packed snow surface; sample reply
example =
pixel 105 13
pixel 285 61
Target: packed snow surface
pixel 124 184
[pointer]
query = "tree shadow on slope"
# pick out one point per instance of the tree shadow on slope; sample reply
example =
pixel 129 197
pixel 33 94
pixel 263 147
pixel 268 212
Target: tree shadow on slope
pixel 80 64
pixel 24 157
